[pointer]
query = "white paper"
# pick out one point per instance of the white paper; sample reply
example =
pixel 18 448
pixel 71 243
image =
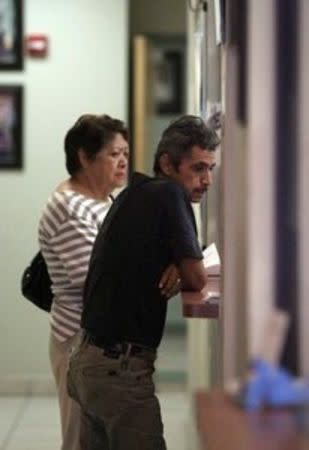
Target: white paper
pixel 212 261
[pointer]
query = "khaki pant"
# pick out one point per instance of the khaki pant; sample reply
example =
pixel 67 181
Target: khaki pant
pixel 69 410
pixel 119 408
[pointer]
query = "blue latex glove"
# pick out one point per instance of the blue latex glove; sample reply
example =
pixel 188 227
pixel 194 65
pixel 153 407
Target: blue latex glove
pixel 273 386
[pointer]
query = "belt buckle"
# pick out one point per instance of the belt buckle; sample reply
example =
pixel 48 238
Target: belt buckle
pixel 124 349
pixel 126 352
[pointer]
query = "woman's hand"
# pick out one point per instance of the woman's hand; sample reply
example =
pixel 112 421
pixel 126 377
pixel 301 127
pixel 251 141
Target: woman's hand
pixel 170 281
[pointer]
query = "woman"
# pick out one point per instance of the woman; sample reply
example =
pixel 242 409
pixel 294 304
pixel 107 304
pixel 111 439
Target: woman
pixel 96 150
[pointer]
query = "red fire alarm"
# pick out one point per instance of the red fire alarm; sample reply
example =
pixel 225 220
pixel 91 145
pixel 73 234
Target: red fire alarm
pixel 37 45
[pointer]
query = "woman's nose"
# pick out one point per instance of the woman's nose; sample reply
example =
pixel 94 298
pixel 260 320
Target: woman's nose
pixel 123 162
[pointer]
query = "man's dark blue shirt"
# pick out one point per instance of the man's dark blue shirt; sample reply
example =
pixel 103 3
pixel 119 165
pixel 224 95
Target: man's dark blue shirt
pixel 149 226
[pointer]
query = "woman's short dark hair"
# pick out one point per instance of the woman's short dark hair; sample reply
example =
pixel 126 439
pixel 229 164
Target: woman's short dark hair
pixel 90 133
pixel 179 138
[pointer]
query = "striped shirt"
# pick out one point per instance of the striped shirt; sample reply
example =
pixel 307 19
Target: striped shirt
pixel 67 231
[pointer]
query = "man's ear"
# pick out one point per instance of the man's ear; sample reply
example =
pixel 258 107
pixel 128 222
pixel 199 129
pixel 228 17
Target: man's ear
pixel 165 164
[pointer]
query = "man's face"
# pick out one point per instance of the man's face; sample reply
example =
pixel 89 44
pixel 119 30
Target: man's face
pixel 194 172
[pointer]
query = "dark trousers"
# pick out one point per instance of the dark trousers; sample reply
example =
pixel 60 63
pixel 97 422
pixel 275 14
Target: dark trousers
pixel 119 408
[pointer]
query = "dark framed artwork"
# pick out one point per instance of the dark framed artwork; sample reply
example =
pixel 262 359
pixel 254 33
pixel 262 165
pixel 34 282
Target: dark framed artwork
pixel 11 35
pixel 168 82
pixel 11 143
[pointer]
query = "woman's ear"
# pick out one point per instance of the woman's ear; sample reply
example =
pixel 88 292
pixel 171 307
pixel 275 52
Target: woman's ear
pixel 165 164
pixel 83 160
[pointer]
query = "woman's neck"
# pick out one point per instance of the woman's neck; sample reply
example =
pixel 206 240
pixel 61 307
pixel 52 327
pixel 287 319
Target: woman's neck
pixel 83 186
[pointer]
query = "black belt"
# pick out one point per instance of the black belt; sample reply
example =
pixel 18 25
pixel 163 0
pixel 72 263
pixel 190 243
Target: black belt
pixel 122 348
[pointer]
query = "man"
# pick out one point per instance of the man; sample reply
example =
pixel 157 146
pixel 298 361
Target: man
pixel 149 228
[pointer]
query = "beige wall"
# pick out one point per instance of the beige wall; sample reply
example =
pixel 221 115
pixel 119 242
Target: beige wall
pixel 86 71
pixel 261 159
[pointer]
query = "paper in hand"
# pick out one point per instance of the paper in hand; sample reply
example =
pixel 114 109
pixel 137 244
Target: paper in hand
pixel 212 261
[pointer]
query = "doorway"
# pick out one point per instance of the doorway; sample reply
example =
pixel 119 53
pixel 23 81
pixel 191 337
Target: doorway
pixel 158 98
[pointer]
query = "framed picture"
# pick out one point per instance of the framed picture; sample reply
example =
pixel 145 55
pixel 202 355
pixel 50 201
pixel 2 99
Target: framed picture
pixel 11 127
pixel 11 35
pixel 168 81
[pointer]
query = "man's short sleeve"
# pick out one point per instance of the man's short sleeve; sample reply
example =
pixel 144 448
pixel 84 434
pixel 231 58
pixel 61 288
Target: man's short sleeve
pixel 180 224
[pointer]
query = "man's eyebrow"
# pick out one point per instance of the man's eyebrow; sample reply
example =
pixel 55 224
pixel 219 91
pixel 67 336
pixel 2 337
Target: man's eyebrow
pixel 203 163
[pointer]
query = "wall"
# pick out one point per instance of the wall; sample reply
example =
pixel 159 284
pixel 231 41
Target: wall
pixel 261 196
pixel 303 205
pixel 86 71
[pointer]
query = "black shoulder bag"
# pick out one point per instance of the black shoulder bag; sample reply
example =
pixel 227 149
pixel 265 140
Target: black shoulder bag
pixel 36 283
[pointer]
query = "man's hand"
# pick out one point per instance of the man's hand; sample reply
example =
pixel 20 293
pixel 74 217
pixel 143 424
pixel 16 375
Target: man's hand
pixel 170 281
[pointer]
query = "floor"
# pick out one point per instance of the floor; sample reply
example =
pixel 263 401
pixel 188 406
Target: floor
pixel 32 423
pixel 171 365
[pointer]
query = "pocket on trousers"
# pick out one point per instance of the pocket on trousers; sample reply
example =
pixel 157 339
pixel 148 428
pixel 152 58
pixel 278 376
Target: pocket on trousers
pixel 143 388
pixel 72 391
pixel 100 371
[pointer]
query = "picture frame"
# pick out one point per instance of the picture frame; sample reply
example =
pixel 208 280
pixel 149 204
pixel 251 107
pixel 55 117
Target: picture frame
pixel 11 127
pixel 168 82
pixel 11 35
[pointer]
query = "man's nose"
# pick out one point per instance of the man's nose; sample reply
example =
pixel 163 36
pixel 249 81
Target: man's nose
pixel 207 178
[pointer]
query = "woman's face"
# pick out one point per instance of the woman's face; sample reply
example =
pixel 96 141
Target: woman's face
pixel 110 167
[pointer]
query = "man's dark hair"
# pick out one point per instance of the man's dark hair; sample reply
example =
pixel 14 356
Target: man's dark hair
pixel 90 133
pixel 179 138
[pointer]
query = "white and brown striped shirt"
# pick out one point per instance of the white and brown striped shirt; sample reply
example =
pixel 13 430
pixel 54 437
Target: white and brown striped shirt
pixel 67 231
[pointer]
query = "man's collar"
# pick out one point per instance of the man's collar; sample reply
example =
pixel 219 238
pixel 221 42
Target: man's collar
pixel 138 178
